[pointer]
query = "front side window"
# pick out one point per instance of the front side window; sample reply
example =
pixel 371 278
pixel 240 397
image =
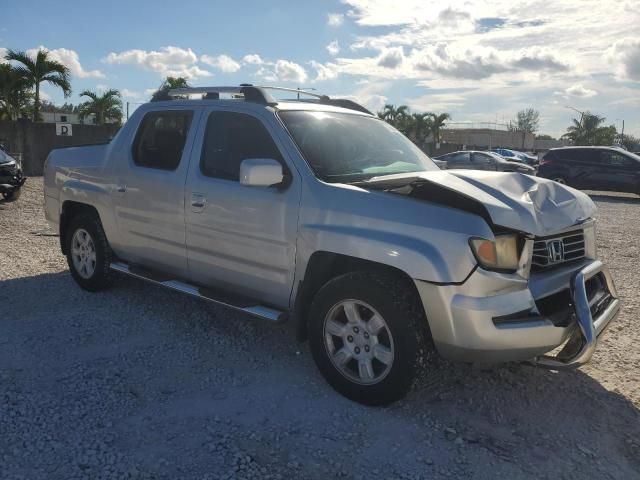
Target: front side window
pixel 482 159
pixel 161 138
pixel 346 147
pixel 460 157
pixel 229 139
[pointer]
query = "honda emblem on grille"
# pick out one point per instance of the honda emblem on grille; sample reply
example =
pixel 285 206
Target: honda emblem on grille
pixel 555 251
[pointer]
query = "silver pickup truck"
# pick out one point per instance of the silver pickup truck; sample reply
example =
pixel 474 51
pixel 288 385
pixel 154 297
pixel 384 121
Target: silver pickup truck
pixel 318 213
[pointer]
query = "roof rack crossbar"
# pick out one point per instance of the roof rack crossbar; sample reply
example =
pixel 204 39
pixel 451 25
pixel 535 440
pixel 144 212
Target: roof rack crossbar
pixel 259 94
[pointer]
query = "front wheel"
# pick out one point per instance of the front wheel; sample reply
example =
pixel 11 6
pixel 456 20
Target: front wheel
pixel 88 253
pixel 369 336
pixel 12 196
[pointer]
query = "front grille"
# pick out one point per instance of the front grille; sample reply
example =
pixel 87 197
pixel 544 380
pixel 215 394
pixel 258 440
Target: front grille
pixel 8 170
pixel 549 252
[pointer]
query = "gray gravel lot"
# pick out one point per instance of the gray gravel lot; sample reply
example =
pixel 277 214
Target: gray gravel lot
pixel 141 382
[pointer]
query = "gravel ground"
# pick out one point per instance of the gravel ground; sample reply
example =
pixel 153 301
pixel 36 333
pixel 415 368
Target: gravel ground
pixel 141 382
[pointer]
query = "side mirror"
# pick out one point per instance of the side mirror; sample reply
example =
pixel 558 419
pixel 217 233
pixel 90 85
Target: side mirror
pixel 261 172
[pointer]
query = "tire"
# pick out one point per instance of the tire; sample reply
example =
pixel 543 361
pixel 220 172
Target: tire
pixel 405 334
pixel 560 179
pixel 12 196
pixel 96 253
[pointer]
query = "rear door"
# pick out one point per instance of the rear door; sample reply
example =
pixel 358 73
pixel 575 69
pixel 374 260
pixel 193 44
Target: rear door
pixel 148 196
pixel 241 238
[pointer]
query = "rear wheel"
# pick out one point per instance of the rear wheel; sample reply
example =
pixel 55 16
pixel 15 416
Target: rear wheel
pixel 369 336
pixel 88 253
pixel 560 179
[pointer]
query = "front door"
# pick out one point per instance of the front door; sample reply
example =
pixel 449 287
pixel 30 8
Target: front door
pixel 618 172
pixel 149 191
pixel 240 238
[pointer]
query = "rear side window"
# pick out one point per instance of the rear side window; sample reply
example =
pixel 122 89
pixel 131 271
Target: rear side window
pixel 462 157
pixel 229 139
pixel 161 138
pixel 583 155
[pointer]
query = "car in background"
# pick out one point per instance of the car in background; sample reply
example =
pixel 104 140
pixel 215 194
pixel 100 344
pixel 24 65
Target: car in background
pixel 11 178
pixel 478 160
pixel 593 168
pixel 442 165
pixel 516 156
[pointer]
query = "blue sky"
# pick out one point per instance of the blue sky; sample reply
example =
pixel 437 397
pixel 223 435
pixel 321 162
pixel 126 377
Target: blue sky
pixel 480 60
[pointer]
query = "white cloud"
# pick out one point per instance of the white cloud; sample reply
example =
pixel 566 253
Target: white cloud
pixel 370 94
pixel 624 55
pixel 222 62
pixel 335 19
pixel 69 58
pixel 333 48
pixel 391 57
pixel 578 90
pixel 3 53
pixel 168 61
pixel 327 71
pixel 253 59
pixel 101 87
pixel 126 93
pixel 283 71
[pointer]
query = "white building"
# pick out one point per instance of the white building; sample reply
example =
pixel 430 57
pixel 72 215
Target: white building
pixel 74 118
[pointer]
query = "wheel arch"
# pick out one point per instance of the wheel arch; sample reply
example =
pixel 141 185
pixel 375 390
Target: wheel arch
pixel 69 210
pixel 324 266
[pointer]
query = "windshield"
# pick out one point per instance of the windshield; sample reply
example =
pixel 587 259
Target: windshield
pixel 4 158
pixel 343 147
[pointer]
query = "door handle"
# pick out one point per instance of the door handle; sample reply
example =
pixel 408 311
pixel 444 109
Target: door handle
pixel 121 188
pixel 198 202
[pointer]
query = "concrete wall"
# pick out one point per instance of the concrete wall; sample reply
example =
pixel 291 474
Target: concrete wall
pixel 489 138
pixel 35 140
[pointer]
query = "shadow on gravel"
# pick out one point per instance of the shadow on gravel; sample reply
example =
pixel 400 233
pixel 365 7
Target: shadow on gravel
pixel 613 198
pixel 179 362
pixel 514 410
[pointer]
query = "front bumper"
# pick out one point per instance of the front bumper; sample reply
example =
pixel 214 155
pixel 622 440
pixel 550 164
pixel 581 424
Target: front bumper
pixel 11 178
pixel 494 317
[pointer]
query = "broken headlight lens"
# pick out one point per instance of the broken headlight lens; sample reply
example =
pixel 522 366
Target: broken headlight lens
pixel 499 254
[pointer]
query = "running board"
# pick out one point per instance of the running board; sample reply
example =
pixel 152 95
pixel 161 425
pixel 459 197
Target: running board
pixel 234 302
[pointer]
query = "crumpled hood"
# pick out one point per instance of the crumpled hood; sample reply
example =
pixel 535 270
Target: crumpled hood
pixel 514 200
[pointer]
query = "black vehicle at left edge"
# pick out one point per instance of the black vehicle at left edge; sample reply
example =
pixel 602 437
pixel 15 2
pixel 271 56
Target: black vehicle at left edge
pixel 11 177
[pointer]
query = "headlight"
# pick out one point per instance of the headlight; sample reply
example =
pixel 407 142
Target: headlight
pixel 501 254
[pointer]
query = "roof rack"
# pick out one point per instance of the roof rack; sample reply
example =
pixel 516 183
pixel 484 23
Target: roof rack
pixel 259 94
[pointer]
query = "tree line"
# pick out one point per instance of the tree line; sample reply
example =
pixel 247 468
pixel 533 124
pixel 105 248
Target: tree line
pixel 418 127
pixel 588 130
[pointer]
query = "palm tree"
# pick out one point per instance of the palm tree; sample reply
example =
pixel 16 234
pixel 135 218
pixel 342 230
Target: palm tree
pixel 105 106
pixel 420 127
pixel 167 84
pixel 38 70
pixel 15 97
pixel 437 123
pixel 589 131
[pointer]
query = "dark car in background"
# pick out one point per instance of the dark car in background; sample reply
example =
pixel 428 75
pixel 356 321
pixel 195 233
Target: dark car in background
pixel 478 160
pixel 11 178
pixel 593 168
pixel 516 156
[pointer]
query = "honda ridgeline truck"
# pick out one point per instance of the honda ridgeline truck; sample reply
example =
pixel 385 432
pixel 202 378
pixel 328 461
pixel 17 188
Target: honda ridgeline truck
pixel 318 213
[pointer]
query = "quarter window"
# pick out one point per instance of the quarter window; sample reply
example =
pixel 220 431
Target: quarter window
pixel 614 159
pixel 229 139
pixel 161 138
